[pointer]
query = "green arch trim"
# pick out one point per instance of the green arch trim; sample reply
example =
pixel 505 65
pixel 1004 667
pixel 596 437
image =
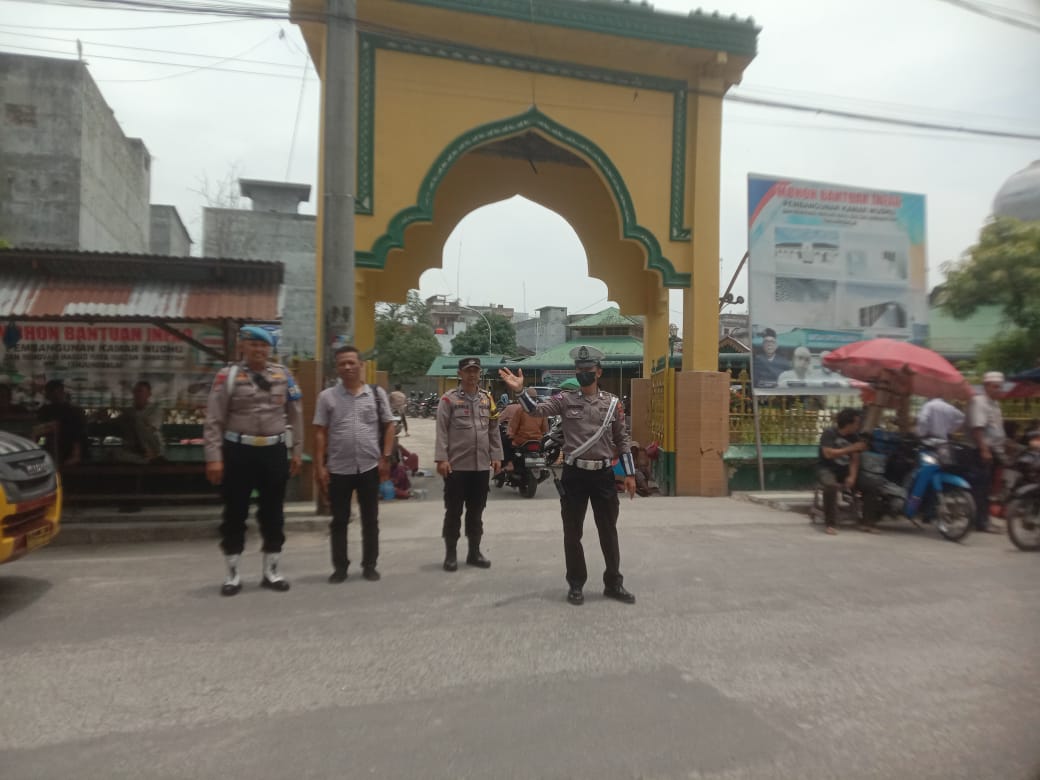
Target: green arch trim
pixel 422 211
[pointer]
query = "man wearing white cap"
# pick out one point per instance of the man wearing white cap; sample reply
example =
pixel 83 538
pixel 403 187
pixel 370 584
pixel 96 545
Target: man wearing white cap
pixel 986 427
pixel 250 405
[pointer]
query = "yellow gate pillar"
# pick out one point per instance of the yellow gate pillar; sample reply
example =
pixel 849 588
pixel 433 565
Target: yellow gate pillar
pixel 701 392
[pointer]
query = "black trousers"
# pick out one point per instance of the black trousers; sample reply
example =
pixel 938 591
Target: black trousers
pixel 265 470
pixel 341 489
pixel 981 480
pixel 581 487
pixel 467 489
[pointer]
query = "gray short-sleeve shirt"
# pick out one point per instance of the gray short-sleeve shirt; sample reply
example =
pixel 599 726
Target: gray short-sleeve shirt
pixel 355 441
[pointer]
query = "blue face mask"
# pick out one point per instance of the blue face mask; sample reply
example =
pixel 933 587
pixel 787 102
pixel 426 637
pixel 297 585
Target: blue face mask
pixel 585 378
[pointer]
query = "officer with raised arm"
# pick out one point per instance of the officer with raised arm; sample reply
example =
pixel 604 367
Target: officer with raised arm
pixel 250 405
pixel 593 429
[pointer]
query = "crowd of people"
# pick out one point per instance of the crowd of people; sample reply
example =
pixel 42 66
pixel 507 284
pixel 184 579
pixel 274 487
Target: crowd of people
pixel 979 426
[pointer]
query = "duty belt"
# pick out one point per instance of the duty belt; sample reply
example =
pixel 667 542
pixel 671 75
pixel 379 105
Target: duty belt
pixel 588 465
pixel 254 441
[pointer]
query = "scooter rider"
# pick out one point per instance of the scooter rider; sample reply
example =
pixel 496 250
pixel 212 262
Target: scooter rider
pixel 593 428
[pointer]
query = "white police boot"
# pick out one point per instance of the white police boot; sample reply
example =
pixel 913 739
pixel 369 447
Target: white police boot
pixel 232 583
pixel 273 580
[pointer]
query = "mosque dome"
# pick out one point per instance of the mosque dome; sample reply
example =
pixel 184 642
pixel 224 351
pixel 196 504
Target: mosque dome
pixel 1019 197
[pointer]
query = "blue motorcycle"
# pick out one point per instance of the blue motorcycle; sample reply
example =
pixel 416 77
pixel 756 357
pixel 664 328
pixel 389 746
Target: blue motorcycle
pixel 920 479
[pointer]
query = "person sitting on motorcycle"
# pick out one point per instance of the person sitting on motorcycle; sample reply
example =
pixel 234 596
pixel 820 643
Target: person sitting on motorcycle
pixel 838 462
pixel 505 416
pixel 525 427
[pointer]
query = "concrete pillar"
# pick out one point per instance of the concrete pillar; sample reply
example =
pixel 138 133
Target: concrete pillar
pixel 640 392
pixel 702 432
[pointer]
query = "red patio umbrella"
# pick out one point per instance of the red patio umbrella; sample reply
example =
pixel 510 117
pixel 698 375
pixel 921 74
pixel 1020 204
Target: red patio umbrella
pixel 929 373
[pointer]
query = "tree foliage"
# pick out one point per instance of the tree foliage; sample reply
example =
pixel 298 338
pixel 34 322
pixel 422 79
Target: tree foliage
pixel 405 344
pixel 1003 270
pixel 474 339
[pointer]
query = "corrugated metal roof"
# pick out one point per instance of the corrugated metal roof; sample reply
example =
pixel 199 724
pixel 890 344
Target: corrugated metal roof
pixel 616 349
pixel 51 284
pixel 608 317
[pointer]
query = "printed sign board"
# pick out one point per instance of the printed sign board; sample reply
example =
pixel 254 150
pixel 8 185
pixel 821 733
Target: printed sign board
pixel 100 363
pixel 829 265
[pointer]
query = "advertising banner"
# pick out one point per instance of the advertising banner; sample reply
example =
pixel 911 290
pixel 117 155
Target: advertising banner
pixel 100 363
pixel 829 265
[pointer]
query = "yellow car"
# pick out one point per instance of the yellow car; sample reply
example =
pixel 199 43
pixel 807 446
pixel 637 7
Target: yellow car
pixel 30 497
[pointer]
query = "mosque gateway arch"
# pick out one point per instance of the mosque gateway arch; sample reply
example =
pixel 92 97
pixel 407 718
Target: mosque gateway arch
pixel 607 113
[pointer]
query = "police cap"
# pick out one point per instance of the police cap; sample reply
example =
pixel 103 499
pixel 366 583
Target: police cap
pixel 586 357
pixel 466 362
pixel 256 333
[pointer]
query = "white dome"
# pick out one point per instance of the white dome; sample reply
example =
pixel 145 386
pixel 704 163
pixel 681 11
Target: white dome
pixel 1020 195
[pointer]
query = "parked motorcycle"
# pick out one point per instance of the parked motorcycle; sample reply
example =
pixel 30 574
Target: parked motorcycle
pixel 529 469
pixel 1022 512
pixel 552 441
pixel 428 405
pixel 919 480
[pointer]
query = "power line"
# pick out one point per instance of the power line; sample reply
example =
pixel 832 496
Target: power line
pixel 119 29
pixel 159 51
pixel 918 125
pixel 155 62
pixel 189 6
pixel 998 16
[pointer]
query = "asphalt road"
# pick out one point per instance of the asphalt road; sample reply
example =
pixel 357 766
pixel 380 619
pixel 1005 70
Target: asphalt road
pixel 759 648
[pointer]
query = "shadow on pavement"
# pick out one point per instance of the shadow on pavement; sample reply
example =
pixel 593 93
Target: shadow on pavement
pixel 17 593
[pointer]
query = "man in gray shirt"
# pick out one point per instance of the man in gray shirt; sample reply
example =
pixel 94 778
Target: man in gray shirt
pixel 985 424
pixel 353 441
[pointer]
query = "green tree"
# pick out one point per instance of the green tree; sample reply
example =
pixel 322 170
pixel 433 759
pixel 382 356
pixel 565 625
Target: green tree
pixel 405 344
pixel 474 339
pixel 1003 270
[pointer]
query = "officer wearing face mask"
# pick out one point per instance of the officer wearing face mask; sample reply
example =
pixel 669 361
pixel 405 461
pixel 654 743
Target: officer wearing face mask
pixel 593 429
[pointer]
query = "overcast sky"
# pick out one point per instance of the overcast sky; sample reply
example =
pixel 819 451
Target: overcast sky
pixel 926 60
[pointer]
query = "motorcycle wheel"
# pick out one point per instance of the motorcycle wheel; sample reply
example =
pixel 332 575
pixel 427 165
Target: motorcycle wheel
pixel 955 513
pixel 1023 524
pixel 529 488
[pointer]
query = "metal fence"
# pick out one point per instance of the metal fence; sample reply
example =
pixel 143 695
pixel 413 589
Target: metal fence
pixel 801 419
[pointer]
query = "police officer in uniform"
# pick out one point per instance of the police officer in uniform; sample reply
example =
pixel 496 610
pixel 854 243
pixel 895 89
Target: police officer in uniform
pixel 467 449
pixel 593 429
pixel 250 404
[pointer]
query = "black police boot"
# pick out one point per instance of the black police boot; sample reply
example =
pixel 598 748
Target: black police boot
pixel 475 558
pixel 575 596
pixel 618 593
pixel 451 561
pixel 232 582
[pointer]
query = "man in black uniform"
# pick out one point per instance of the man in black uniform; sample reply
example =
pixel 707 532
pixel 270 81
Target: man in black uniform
pixel 593 429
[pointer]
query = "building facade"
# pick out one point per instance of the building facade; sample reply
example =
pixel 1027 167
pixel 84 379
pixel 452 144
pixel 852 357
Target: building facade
pixel 69 176
pixel 273 230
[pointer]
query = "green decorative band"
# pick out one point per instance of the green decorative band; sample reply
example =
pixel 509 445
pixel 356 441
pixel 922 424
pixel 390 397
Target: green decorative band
pixel 366 106
pixel 533 119
pixel 677 210
pixel 366 99
pixel 629 20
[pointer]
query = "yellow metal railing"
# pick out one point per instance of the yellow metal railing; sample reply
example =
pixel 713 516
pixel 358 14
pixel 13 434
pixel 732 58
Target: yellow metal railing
pixel 783 419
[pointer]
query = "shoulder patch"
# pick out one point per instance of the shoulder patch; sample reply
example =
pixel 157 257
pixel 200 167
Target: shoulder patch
pixel 221 378
pixel 295 394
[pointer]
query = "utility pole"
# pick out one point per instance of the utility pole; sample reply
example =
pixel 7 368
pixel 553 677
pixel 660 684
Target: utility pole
pixel 339 174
